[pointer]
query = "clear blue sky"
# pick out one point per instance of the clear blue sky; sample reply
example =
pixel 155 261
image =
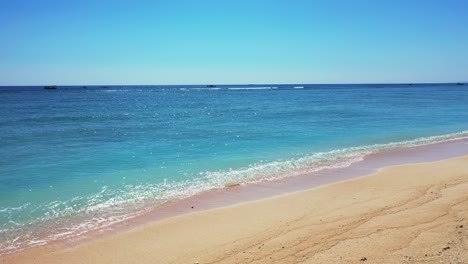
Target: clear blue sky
pixel 197 42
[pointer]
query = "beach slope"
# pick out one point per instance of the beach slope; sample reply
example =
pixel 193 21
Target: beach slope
pixel 414 213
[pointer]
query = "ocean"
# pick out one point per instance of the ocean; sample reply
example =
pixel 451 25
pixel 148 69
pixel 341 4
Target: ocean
pixel 78 159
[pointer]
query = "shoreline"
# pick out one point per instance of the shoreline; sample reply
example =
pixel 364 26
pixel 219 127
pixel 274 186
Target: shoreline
pixel 212 201
pixel 332 166
pixel 239 194
pixel 244 193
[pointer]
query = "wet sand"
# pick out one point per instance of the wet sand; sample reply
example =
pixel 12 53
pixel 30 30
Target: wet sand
pixel 236 194
pixel 415 213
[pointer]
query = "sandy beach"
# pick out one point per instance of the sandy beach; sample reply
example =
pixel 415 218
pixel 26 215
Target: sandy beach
pixel 415 213
pixel 203 132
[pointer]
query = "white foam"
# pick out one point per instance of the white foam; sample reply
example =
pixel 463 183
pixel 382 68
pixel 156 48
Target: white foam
pixel 250 88
pixel 114 206
pixel 208 88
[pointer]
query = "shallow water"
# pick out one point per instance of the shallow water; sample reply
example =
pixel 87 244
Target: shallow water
pixel 77 159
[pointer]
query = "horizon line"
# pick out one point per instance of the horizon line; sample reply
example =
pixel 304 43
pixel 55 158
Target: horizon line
pixel 363 83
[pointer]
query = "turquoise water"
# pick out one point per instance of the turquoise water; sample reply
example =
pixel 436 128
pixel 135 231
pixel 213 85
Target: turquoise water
pixel 76 159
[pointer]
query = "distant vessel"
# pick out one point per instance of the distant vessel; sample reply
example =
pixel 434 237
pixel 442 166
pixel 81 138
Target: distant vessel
pixel 50 87
pixel 460 83
pixel 211 86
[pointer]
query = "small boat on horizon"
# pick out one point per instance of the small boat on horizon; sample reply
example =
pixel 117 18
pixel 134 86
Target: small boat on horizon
pixel 50 87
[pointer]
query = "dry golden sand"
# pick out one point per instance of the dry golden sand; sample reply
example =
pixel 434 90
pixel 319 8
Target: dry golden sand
pixel 405 214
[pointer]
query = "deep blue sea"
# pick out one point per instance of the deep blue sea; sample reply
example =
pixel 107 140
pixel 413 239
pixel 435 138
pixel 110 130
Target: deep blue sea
pixel 79 158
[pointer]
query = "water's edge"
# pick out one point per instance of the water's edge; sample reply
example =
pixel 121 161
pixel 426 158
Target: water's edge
pixel 365 164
